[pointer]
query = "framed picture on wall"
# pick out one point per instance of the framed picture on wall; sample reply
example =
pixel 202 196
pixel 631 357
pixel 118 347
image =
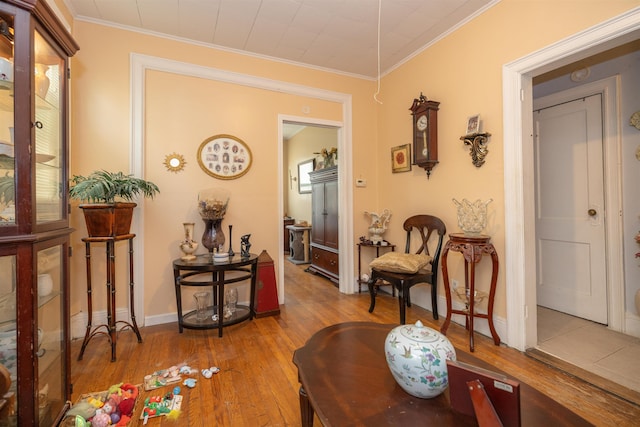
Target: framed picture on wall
pixel 224 157
pixel 304 180
pixel 400 158
pixel 473 124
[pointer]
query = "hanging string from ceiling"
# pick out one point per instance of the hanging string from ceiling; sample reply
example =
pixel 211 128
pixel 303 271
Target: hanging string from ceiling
pixel 375 95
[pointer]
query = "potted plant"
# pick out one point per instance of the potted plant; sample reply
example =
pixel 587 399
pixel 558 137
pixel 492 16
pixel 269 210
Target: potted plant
pixel 109 195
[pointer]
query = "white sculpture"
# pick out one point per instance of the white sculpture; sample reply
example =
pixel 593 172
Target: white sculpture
pixel 378 225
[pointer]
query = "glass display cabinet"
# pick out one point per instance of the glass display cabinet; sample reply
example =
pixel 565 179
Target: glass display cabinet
pixel 34 224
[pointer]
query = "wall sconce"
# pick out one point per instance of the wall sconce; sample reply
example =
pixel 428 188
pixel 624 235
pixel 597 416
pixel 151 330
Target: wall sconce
pixel 478 146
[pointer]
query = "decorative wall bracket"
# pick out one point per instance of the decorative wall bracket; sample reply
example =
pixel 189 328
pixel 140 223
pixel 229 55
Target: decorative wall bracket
pixel 478 143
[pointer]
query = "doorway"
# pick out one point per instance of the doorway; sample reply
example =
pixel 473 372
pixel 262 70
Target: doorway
pixel 520 267
pixel 302 140
pixel 570 201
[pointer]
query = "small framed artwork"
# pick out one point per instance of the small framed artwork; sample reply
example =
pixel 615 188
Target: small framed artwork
pixel 473 124
pixel 304 180
pixel 401 158
pixel 224 157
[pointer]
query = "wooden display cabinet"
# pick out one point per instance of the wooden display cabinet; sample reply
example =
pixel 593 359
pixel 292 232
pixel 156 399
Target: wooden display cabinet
pixel 34 224
pixel 324 222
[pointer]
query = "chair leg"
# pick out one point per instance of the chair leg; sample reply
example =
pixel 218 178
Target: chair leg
pixel 408 298
pixel 434 301
pixel 373 292
pixel 402 301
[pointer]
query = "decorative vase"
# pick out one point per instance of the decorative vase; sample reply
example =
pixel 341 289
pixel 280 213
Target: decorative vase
pixel 188 246
pixel 202 301
pixel 45 285
pixel 42 80
pixel 417 357
pixel 213 237
pixel 472 217
pixel 378 225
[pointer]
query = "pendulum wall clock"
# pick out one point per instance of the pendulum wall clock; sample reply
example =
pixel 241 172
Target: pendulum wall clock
pixel 425 133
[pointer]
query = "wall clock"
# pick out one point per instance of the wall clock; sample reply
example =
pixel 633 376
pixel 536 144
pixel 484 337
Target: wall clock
pixel 224 157
pixel 425 133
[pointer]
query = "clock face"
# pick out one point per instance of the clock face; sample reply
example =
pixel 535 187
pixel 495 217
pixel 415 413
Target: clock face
pixel 422 123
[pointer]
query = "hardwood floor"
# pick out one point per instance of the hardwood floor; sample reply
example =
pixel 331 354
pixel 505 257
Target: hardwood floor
pixel 258 383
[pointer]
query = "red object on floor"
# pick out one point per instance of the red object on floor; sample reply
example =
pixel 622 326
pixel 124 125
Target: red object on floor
pixel 267 289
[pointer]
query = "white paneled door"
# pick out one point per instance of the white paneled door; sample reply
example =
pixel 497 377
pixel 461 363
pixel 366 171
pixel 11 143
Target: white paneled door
pixel 570 231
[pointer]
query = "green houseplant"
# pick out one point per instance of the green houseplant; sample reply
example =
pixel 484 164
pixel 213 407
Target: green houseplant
pixel 109 197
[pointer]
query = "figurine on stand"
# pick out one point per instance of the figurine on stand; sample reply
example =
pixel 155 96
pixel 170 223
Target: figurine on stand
pixel 231 253
pixel 245 246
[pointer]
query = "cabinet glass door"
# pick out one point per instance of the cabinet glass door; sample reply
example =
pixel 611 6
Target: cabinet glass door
pixel 50 348
pixel 8 336
pixel 7 163
pixel 48 84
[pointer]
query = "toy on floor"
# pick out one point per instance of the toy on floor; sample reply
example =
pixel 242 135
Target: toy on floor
pixel 165 377
pixel 158 406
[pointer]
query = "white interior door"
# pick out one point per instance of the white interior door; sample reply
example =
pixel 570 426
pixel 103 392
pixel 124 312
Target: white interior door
pixel 570 232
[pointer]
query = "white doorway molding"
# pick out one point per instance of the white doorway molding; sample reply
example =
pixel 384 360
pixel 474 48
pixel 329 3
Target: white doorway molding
pixel 141 63
pixel 520 262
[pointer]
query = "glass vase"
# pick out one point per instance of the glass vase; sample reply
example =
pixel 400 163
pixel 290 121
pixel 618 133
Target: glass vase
pixel 202 302
pixel 213 237
pixel 472 217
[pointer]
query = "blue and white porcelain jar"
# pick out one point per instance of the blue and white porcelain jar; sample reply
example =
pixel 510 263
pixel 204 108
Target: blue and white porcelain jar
pixel 417 357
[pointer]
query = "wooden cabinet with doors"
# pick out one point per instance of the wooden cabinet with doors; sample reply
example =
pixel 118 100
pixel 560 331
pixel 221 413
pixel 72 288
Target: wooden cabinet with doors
pixel 34 223
pixel 324 217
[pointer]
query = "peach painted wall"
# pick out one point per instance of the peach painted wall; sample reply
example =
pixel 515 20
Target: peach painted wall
pixel 462 71
pixel 180 112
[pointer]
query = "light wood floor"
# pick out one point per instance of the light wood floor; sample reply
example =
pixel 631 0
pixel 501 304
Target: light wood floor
pixel 258 383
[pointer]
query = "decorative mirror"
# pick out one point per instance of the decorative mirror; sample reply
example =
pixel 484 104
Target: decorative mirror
pixel 174 162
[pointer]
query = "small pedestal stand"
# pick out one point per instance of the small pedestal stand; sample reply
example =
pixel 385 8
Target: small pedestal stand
pixel 111 325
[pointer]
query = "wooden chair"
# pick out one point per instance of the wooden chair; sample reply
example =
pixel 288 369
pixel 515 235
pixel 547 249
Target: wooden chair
pixel 426 225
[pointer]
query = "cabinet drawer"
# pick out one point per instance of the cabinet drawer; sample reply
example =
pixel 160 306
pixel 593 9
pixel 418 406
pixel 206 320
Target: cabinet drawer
pixel 325 260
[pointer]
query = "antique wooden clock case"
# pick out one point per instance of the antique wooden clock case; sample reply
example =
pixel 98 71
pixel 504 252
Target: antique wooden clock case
pixel 425 133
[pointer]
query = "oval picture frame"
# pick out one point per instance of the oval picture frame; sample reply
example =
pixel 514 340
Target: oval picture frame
pixel 224 157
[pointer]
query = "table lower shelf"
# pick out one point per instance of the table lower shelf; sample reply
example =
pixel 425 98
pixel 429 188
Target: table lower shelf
pixel 190 321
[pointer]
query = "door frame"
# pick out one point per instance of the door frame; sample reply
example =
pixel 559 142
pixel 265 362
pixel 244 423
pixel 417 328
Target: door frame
pixel 517 87
pixel 345 202
pixel 140 63
pixel 608 89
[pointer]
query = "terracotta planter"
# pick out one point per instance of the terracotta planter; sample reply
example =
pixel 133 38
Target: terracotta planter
pixel 108 219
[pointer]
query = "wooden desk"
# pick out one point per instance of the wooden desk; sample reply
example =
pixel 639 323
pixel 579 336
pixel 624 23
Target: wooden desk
pixel 472 249
pixel 345 379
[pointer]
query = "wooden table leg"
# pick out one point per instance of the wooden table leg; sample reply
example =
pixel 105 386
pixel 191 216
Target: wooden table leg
pixel 492 293
pixel 111 297
pixel 447 290
pixel 306 410
pixel 87 334
pixel 134 324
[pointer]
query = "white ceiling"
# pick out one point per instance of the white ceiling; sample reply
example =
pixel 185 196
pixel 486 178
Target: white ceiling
pixel 340 35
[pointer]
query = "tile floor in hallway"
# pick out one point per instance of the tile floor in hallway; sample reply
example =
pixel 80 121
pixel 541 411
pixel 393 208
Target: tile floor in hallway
pixel 590 346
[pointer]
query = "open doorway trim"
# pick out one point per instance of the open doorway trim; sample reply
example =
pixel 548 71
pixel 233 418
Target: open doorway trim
pixel 141 63
pixel 517 78
pixel 345 201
